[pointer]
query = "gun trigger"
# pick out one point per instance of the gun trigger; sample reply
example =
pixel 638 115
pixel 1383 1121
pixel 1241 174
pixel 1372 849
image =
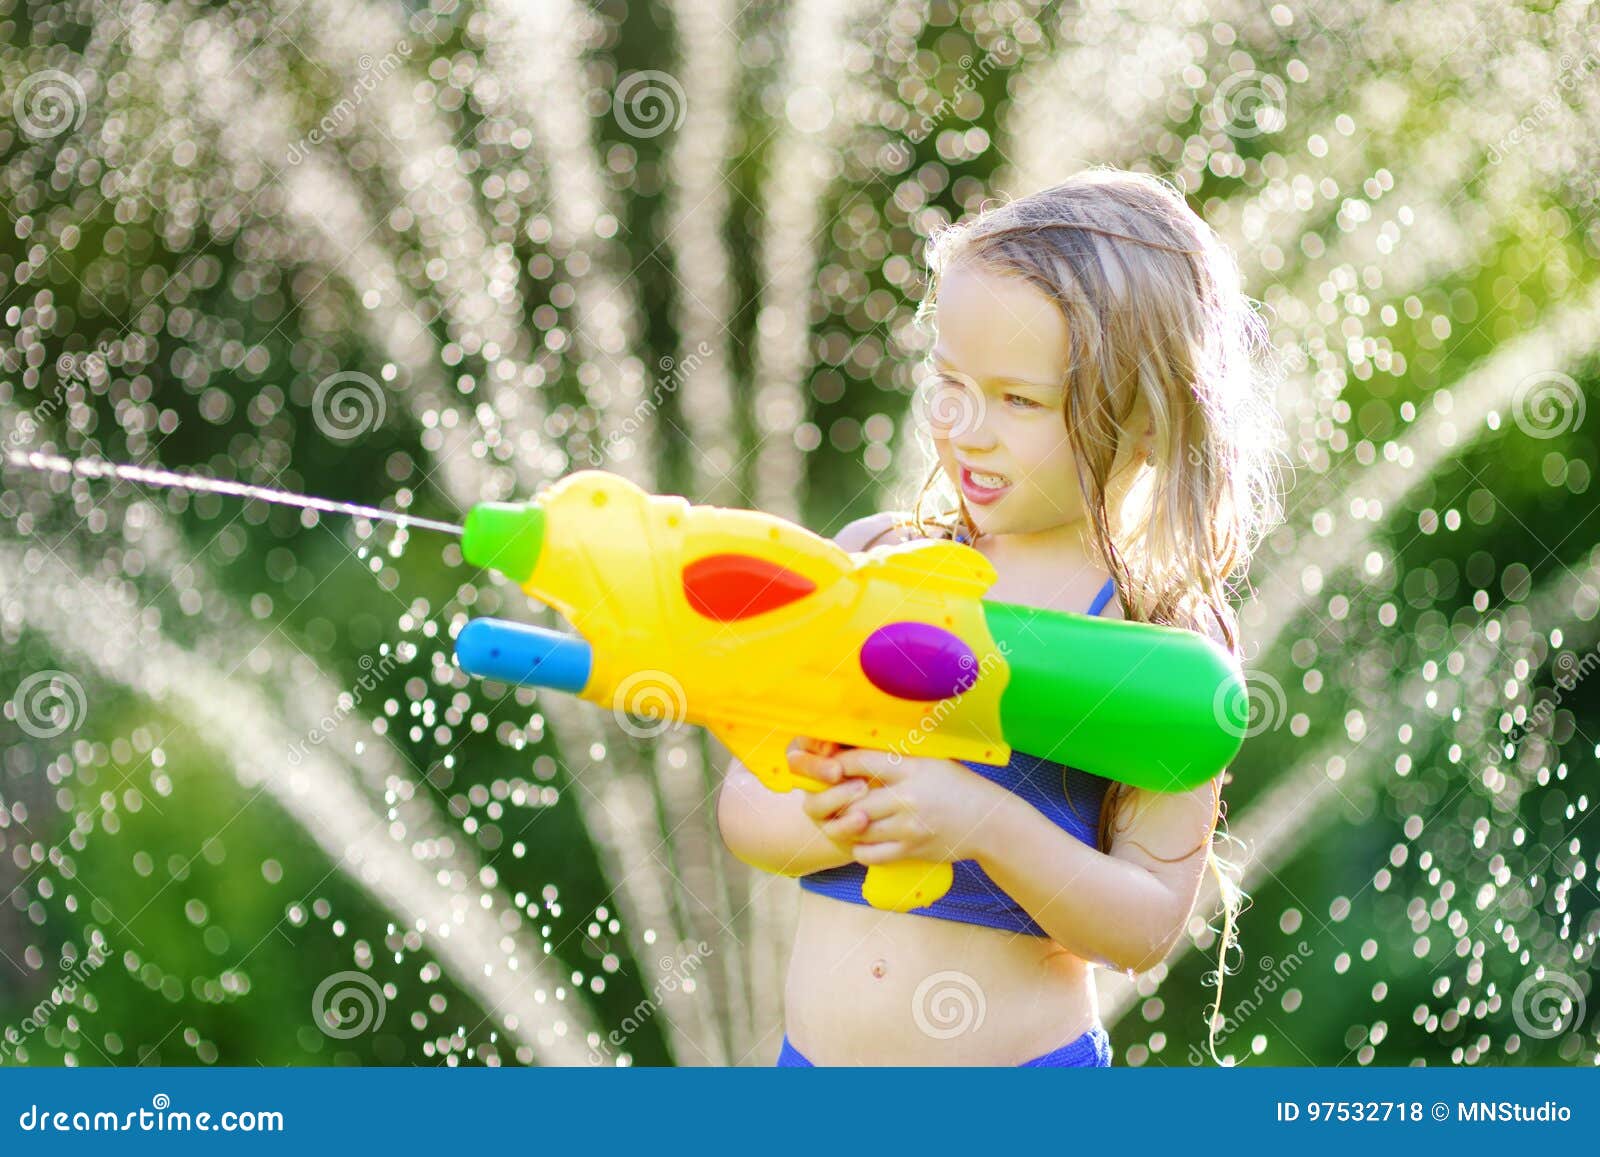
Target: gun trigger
pixel 767 756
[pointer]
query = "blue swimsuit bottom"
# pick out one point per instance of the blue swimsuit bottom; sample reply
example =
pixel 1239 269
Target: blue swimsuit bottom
pixel 1092 1050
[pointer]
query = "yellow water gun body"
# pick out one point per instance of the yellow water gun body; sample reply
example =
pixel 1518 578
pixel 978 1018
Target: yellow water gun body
pixel 761 631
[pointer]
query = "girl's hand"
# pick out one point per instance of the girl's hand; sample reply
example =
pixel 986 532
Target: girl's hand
pixel 816 759
pixel 915 808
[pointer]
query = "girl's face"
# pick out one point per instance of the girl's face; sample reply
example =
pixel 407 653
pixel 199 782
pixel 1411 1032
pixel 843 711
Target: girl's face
pixel 996 405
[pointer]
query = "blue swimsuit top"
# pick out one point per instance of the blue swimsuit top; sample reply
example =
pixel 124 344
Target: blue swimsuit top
pixel 1070 798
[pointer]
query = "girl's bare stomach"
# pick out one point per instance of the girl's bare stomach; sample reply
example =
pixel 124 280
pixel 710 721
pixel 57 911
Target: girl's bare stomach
pixel 887 988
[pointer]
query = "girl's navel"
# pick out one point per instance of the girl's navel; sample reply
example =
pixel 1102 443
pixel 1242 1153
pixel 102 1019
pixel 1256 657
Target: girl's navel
pixel 879 968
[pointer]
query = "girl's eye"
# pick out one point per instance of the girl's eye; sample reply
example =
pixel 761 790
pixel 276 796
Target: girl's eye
pixel 1023 403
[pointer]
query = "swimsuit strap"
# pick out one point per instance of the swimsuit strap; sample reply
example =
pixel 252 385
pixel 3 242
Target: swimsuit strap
pixel 1104 597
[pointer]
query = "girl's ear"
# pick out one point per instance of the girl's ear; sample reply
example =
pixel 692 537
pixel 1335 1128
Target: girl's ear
pixel 1143 444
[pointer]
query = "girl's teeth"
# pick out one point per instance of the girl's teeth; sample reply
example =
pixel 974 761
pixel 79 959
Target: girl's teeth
pixel 988 481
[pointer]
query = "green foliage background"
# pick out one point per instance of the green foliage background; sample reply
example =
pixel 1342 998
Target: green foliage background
pixel 1409 189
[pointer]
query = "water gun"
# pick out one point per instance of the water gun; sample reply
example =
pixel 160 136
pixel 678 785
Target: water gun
pixel 761 631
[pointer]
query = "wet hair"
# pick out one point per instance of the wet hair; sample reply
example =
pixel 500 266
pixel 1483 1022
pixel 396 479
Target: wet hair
pixel 1155 314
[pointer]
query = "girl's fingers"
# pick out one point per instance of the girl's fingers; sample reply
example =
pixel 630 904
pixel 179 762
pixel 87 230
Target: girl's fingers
pixel 848 825
pixel 871 810
pixel 814 746
pixel 822 805
pixel 899 828
pixel 881 767
pixel 878 803
pixel 813 766
pixel 870 854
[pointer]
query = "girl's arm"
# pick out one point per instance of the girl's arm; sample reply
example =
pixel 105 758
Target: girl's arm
pixel 1063 883
pixel 1125 909
pixel 775 832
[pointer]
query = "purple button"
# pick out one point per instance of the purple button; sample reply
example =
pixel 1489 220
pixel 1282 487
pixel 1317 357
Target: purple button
pixel 918 661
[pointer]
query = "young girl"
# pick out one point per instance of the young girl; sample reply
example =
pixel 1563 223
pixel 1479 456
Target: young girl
pixel 1110 447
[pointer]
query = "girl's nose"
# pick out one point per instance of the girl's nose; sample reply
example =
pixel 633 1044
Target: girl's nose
pixel 973 432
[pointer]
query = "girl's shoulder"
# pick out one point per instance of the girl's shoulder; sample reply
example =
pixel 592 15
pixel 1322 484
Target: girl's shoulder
pixel 884 529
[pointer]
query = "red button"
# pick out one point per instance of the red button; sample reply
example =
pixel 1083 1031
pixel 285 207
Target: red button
pixel 729 587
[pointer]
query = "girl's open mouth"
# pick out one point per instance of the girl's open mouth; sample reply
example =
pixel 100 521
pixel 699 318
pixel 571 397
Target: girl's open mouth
pixel 982 487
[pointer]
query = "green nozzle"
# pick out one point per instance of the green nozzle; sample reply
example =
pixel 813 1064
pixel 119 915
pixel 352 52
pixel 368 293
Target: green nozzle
pixel 504 536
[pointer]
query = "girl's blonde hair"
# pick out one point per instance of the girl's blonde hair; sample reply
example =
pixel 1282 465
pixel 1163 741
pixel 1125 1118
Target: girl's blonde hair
pixel 1154 311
